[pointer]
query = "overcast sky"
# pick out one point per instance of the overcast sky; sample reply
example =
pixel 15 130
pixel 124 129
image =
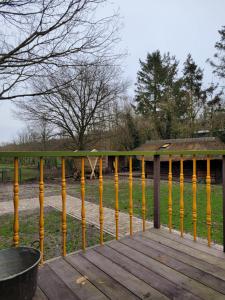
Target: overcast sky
pixel 177 26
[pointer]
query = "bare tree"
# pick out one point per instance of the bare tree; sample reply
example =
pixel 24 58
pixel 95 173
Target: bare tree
pixel 37 37
pixel 83 106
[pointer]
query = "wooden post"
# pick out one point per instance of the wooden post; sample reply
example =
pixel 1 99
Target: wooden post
pixel 170 194
pixel 208 195
pixel 181 196
pixel 64 229
pixel 116 198
pixel 223 183
pixel 41 203
pixel 101 212
pixel 16 203
pixel 194 204
pixel 143 191
pixel 83 221
pixel 156 191
pixel 131 195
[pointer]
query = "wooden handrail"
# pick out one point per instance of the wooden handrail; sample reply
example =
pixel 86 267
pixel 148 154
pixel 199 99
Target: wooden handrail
pixel 109 153
pixel 156 159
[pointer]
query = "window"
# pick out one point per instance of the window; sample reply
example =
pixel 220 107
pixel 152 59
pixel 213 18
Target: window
pixel 164 146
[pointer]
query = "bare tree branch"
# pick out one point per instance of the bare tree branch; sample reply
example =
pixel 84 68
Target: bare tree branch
pixel 40 37
pixel 83 105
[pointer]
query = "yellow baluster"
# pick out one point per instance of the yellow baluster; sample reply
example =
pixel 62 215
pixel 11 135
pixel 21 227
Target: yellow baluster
pixel 116 198
pixel 83 221
pixel 64 227
pixel 41 202
pixel 170 194
pixel 131 195
pixel 16 203
pixel 143 191
pixel 208 192
pixel 101 212
pixel 194 204
pixel 181 196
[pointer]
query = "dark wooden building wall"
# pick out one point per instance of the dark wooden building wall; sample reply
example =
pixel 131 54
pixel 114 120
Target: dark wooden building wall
pixel 216 170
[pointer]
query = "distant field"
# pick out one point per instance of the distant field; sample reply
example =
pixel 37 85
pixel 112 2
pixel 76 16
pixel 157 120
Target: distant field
pixel 26 173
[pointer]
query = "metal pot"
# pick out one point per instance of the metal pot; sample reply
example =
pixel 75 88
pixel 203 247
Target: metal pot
pixel 18 273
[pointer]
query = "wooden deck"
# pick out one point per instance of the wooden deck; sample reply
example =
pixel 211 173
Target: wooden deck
pixel 153 265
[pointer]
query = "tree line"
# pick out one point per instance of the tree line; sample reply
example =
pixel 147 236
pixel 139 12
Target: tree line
pixel 62 71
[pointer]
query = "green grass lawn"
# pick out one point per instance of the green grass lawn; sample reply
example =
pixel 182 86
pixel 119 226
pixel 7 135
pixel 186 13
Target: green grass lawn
pixel 29 228
pixel 26 173
pixel 216 202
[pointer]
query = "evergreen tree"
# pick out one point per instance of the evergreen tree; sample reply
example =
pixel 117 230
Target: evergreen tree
pixel 194 95
pixel 154 90
pixel 219 57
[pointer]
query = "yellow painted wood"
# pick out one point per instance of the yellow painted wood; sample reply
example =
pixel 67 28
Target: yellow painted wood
pixel 208 192
pixel 181 196
pixel 143 191
pixel 101 211
pixel 16 203
pixel 116 197
pixel 41 203
pixel 170 194
pixel 194 200
pixel 83 221
pixel 64 225
pixel 131 195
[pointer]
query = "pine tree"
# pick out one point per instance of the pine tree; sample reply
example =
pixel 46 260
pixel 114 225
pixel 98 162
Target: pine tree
pixel 154 92
pixel 194 94
pixel 219 57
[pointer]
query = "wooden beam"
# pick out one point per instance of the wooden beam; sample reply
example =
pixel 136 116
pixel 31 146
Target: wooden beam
pixel 156 191
pixel 223 184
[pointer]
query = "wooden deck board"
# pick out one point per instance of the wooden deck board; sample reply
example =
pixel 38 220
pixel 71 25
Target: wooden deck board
pixel 191 260
pixel 198 282
pixel 187 241
pixel 107 285
pixel 202 255
pixel 151 265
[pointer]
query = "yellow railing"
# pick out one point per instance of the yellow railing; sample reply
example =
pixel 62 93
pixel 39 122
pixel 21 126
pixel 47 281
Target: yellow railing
pixel 194 197
pixel 130 155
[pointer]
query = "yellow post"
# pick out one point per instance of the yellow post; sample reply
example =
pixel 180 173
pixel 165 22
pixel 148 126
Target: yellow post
pixel 101 212
pixel 170 193
pixel 143 191
pixel 64 227
pixel 16 203
pixel 41 202
pixel 83 222
pixel 208 192
pixel 131 195
pixel 194 204
pixel 181 196
pixel 116 198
